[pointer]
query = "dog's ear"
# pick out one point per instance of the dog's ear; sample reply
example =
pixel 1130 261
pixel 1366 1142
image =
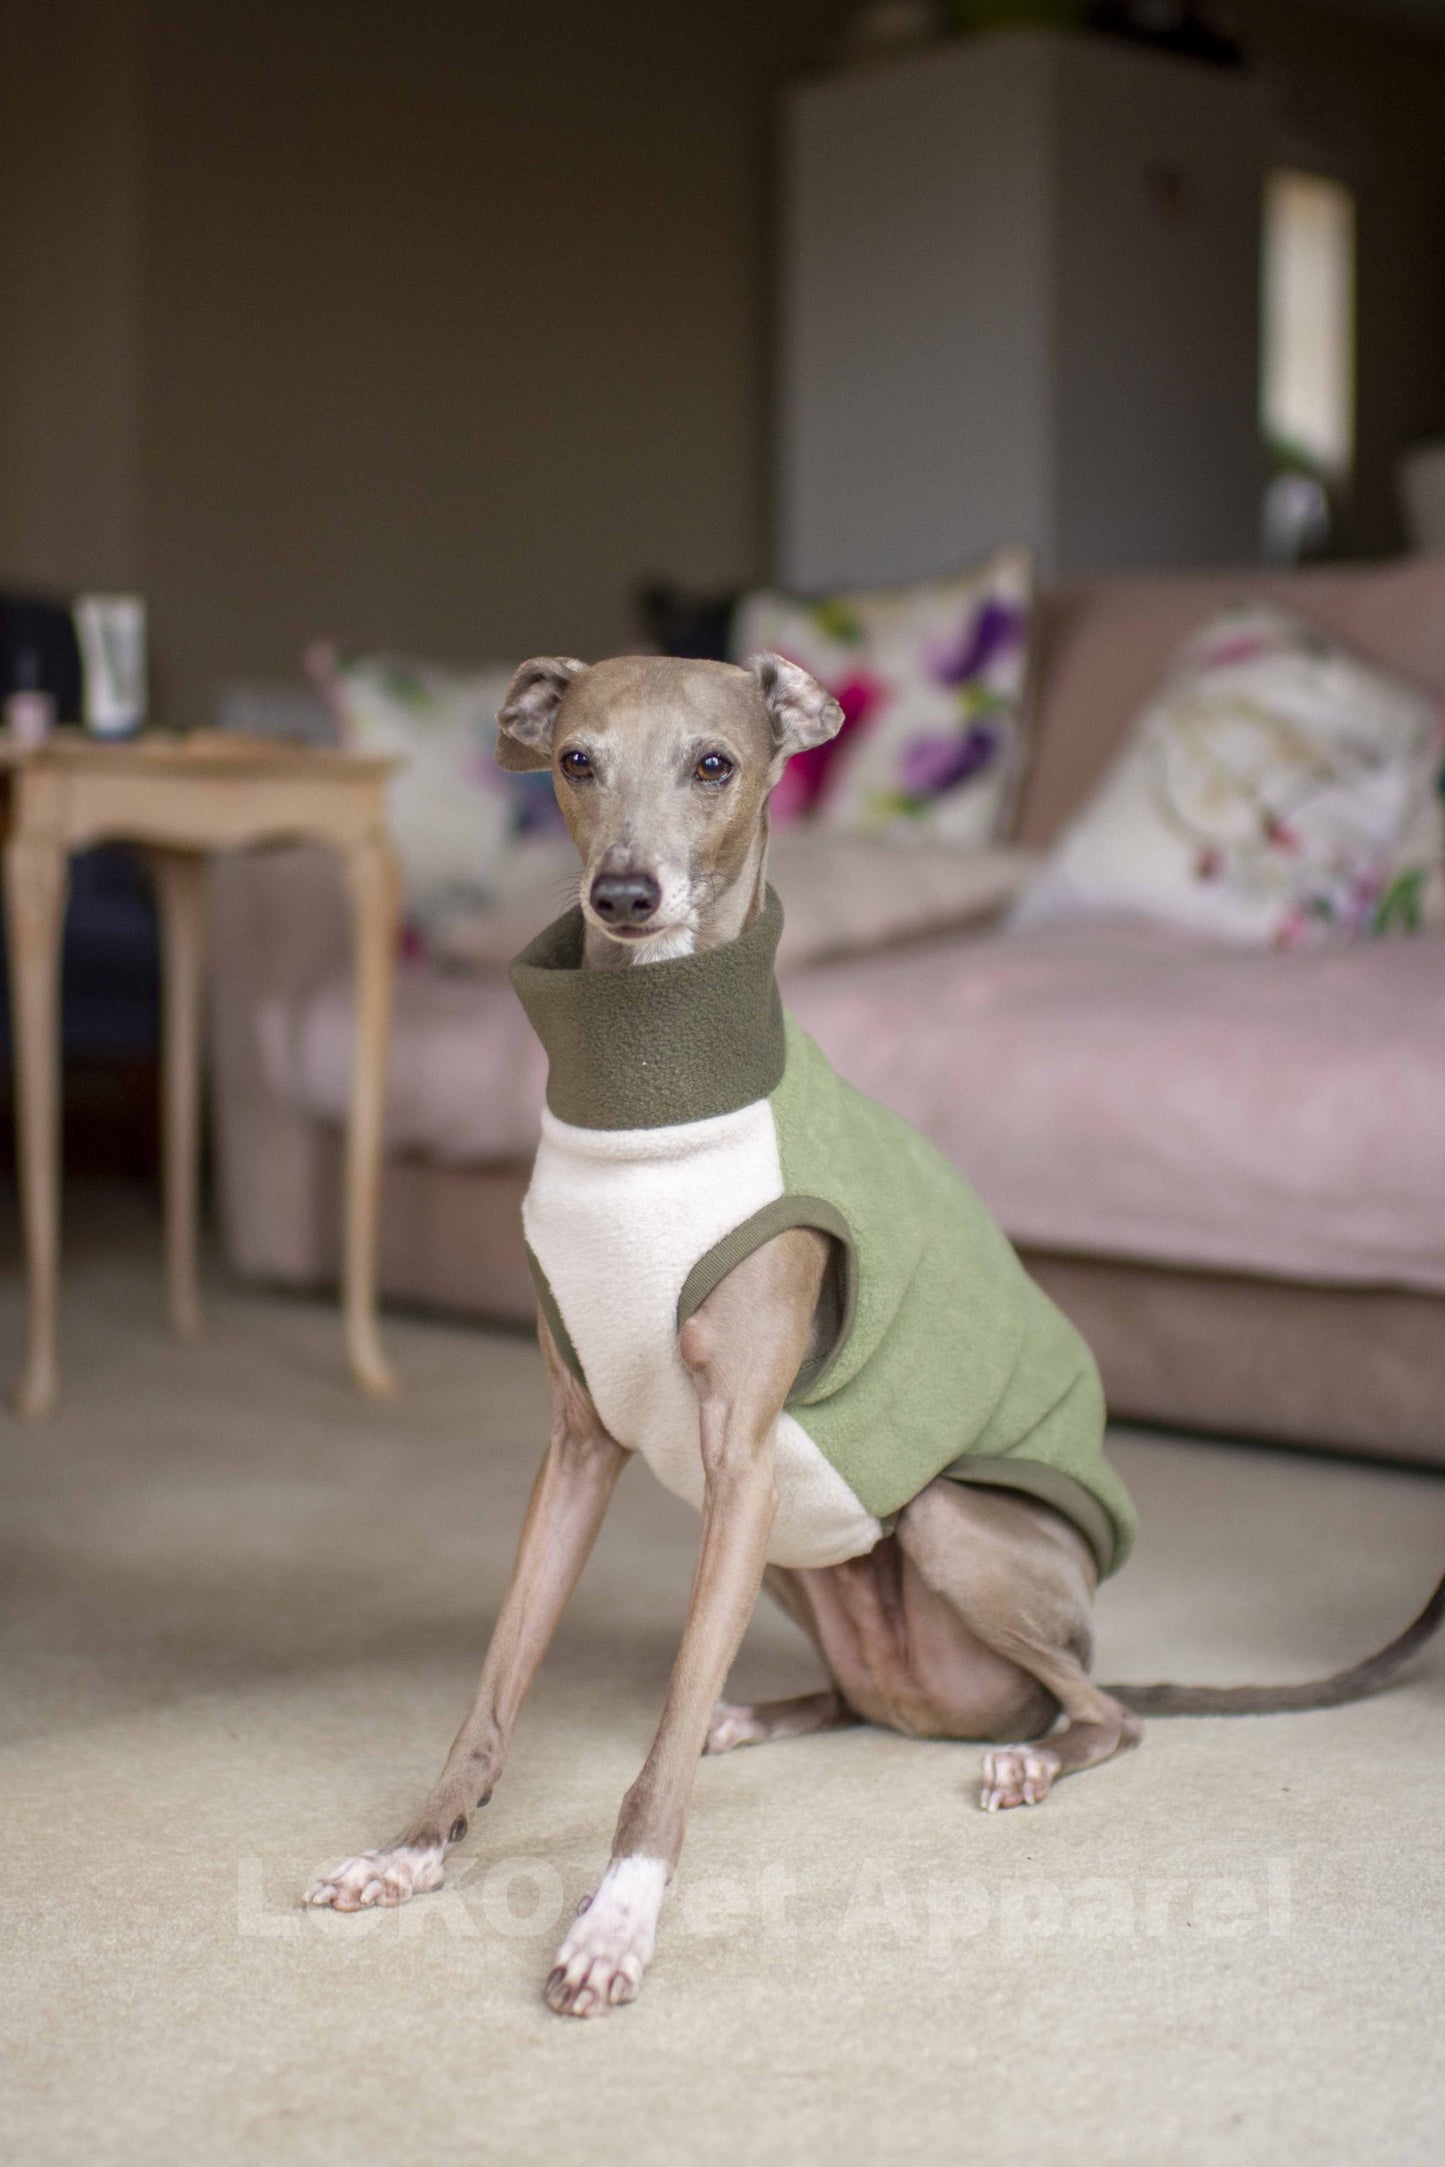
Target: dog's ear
pixel 801 712
pixel 529 709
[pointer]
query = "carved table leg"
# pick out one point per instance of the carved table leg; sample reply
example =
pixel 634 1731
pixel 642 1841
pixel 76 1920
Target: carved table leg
pixel 374 882
pixel 180 878
pixel 36 877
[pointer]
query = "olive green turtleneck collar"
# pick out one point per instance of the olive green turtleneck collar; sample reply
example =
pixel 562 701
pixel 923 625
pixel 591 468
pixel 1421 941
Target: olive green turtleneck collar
pixel 660 1043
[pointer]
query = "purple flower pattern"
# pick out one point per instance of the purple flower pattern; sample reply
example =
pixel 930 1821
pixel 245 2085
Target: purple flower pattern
pixel 985 635
pixel 930 681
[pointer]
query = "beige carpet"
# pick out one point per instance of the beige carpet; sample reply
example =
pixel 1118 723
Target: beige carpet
pixel 242 1613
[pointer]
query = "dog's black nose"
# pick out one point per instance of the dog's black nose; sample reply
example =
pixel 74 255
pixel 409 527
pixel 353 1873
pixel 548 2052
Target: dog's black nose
pixel 625 898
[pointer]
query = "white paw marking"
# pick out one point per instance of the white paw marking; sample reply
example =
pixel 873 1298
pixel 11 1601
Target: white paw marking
pixel 379 1877
pixel 610 1942
pixel 734 1725
pixel 1017 1776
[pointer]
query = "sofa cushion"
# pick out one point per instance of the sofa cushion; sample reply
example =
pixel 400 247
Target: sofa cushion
pixel 932 679
pixel 1278 790
pixel 1113 1091
pixel 465 833
pixel 1122 1091
pixel 1104 644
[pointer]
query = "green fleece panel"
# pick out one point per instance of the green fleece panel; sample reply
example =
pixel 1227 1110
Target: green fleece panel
pixel 954 1351
pixel 668 1043
pixel 950 1360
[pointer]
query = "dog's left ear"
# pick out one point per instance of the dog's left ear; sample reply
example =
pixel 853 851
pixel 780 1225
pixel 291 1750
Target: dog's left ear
pixel 529 709
pixel 801 712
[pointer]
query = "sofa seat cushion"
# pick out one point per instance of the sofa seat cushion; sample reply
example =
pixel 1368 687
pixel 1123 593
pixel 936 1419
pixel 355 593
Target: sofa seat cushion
pixel 1111 1090
pixel 1121 1091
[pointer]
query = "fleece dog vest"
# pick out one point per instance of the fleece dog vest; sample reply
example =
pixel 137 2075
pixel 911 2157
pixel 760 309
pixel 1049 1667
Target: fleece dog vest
pixel 688 1120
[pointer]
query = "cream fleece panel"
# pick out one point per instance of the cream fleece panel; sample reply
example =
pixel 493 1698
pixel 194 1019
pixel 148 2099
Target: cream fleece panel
pixel 617 1218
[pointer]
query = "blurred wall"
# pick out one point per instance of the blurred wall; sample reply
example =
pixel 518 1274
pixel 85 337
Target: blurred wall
pixel 440 326
pixel 454 318
pixel 434 327
pixel 70 291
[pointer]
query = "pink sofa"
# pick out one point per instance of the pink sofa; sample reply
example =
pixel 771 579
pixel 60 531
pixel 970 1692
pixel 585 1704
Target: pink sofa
pixel 1229 1168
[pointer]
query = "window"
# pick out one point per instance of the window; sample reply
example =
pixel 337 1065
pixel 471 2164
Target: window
pixel 1307 367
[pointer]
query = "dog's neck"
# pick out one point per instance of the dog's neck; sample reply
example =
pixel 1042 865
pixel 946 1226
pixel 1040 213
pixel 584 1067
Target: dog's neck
pixel 727 913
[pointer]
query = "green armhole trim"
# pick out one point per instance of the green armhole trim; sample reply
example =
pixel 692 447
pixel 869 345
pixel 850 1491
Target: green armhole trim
pixel 775 1218
pixel 1051 1486
pixel 547 1303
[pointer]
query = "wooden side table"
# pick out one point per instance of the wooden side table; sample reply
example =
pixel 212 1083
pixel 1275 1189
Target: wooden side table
pixel 181 798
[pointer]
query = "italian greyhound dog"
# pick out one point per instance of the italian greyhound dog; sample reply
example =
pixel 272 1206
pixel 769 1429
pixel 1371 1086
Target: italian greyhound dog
pixel 969 1617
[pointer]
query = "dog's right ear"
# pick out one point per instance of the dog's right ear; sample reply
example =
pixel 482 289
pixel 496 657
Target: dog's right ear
pixel 529 709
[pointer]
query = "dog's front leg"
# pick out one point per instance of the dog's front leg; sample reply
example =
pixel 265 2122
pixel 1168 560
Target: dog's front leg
pixel 743 1348
pixel 568 1503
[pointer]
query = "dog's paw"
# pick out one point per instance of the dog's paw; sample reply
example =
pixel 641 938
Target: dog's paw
pixel 379 1877
pixel 1017 1776
pixel 734 1725
pixel 610 1942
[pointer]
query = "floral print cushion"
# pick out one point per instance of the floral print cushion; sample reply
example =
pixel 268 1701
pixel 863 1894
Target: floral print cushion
pixel 466 833
pixel 1277 791
pixel 931 679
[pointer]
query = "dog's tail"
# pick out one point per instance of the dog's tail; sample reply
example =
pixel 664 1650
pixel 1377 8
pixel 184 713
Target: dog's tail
pixel 1268 1700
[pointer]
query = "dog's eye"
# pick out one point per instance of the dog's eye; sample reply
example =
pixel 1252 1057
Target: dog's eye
pixel 575 763
pixel 713 767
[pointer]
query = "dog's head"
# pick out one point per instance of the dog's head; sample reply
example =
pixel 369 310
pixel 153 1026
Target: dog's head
pixel 662 769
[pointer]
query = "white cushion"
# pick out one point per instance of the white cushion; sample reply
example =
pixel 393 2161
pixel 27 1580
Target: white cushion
pixel 466 833
pixel 1278 790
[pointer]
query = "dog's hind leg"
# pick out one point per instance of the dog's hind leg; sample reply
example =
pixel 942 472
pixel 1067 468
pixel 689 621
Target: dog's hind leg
pixel 735 1723
pixel 758 1724
pixel 1022 1580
